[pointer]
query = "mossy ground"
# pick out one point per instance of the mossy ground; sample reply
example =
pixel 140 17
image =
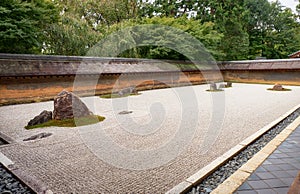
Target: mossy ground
pixel 88 120
pixel 116 95
pixel 284 89
pixel 217 90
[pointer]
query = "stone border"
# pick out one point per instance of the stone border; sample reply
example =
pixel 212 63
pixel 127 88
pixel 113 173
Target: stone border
pixel 232 183
pixel 34 185
pixel 7 139
pixel 236 179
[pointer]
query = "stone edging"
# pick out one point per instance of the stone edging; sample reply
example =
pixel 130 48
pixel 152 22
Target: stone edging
pixel 35 185
pixel 236 179
pixel 232 183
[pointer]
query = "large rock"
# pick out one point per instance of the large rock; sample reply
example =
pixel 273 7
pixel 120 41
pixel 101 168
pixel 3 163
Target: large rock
pixel 41 118
pixel 67 105
pixel 277 87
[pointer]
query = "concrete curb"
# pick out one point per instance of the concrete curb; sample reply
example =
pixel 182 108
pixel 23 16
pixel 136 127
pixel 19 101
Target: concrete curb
pixel 33 184
pixel 240 175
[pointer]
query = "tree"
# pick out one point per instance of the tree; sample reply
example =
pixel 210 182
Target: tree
pixel 23 25
pixel 71 36
pixel 282 35
pixel 205 33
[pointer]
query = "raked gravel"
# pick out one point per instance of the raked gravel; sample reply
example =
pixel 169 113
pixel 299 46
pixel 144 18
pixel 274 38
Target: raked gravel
pixel 170 135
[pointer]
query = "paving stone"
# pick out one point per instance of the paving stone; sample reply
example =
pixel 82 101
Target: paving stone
pixel 265 175
pixel 282 190
pixel 245 186
pixel 247 192
pixel 287 167
pixel 282 174
pixel 271 168
pixel 266 191
pixel 275 183
pixel 276 161
pixel 287 181
pixel 253 177
pixel 260 169
pixel 258 184
pixel 293 173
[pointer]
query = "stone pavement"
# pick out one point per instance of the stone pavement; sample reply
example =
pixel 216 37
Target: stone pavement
pixel 278 171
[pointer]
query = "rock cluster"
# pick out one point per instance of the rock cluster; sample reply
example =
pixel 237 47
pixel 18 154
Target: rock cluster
pixel 127 91
pixel 66 106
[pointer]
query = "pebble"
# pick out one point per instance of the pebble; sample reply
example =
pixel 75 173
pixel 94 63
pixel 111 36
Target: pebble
pixel 227 169
pixel 9 184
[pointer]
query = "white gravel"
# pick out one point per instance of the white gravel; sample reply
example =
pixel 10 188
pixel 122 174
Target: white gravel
pixel 170 135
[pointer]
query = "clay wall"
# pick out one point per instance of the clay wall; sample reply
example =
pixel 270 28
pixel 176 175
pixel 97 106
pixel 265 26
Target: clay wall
pixel 30 78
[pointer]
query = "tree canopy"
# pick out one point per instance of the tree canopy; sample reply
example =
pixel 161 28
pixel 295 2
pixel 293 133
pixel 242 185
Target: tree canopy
pixel 24 24
pixel 230 30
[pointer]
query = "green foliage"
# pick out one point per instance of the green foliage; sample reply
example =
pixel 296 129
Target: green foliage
pixel 229 30
pixel 71 36
pixel 273 30
pixel 81 121
pixel 205 33
pixel 24 23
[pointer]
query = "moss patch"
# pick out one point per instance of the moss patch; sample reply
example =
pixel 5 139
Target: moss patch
pixel 217 90
pixel 116 95
pixel 88 120
pixel 283 89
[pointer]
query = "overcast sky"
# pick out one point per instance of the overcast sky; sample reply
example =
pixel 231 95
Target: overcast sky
pixel 290 3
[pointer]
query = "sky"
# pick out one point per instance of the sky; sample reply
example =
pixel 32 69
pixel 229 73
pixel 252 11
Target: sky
pixel 290 3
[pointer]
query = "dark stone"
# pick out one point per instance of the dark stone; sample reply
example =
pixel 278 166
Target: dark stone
pixel 228 84
pixel 212 87
pixel 67 106
pixel 41 118
pixel 38 136
pixel 277 87
pixel 125 112
pixel 127 91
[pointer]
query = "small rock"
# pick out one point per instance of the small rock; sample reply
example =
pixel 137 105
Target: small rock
pixel 38 136
pixel 125 112
pixel 6 192
pixel 228 84
pixel 212 87
pixel 222 86
pixel 277 87
pixel 41 118
pixel 208 190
